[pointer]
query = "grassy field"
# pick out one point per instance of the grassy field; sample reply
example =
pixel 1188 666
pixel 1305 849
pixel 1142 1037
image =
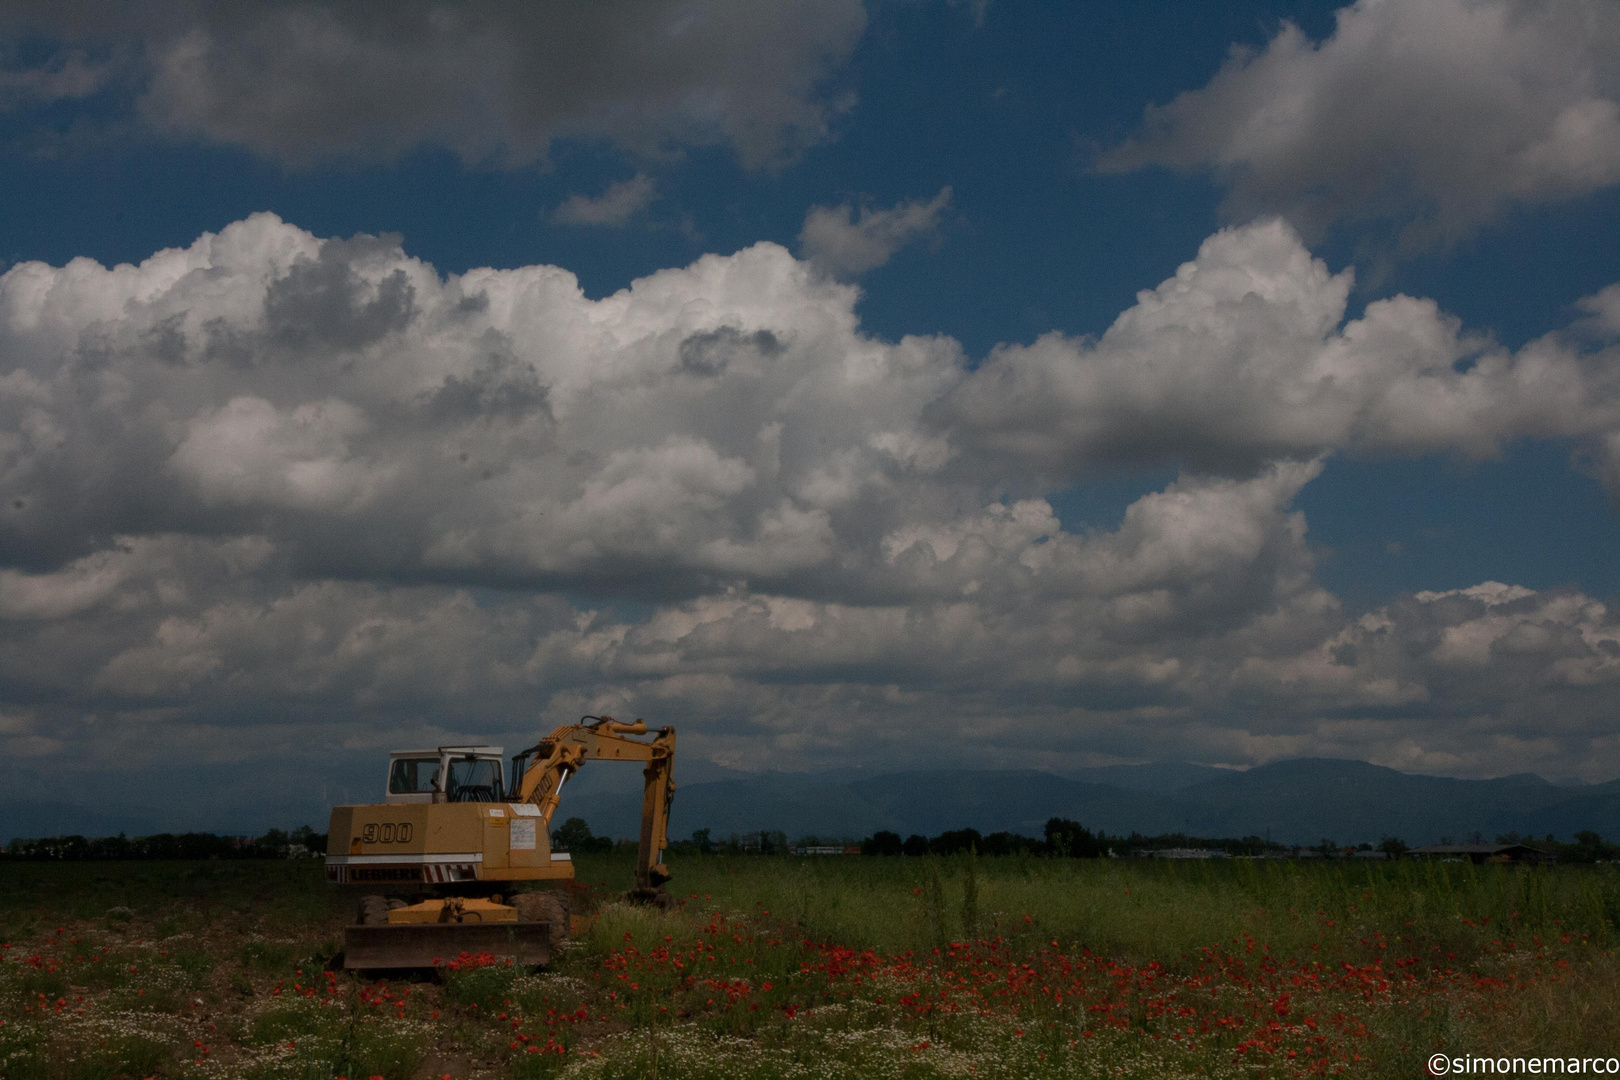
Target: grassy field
pixel 777 967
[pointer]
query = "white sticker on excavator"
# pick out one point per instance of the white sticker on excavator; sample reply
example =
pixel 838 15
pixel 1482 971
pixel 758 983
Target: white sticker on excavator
pixel 522 834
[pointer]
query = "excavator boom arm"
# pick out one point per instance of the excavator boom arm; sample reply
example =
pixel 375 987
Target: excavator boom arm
pixel 562 753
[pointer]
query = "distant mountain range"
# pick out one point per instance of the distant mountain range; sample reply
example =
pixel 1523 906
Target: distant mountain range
pixel 32 820
pixel 1292 802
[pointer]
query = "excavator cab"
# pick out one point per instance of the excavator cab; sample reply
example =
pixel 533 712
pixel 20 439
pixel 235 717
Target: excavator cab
pixel 447 774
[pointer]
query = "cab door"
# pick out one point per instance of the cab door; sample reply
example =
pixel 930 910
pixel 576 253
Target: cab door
pixel 413 779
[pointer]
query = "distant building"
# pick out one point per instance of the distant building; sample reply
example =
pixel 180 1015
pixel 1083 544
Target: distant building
pixel 1179 853
pixel 1521 854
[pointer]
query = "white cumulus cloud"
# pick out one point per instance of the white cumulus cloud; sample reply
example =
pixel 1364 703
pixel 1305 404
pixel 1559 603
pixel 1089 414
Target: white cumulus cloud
pixel 1245 356
pixel 614 207
pixel 846 243
pixel 269 479
pixel 1435 115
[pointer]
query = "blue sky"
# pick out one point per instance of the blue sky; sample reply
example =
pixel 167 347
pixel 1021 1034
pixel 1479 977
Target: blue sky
pixel 1398 443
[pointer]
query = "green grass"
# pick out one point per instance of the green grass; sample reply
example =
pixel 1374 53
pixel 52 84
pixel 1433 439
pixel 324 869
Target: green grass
pixel 943 967
pixel 1148 909
pixel 168 897
pixel 262 954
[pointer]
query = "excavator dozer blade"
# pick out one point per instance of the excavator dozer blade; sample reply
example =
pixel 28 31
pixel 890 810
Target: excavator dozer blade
pixel 425 945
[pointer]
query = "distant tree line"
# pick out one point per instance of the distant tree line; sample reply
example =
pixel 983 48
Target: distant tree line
pixel 1588 847
pixel 574 836
pixel 275 844
pixel 1060 838
pixel 1070 839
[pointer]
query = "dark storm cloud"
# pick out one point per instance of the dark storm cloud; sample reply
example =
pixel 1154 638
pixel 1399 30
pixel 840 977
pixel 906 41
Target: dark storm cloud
pixel 500 389
pixel 708 353
pixel 324 302
pixel 303 81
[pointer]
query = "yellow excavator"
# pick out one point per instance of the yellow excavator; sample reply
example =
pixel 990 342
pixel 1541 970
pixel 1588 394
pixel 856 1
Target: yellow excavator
pixel 442 863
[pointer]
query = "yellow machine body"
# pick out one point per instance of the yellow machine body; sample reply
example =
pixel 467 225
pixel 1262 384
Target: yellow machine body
pixel 441 844
pixel 451 837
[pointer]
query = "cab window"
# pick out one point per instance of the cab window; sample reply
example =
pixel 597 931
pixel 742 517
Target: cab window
pixel 475 781
pixel 412 776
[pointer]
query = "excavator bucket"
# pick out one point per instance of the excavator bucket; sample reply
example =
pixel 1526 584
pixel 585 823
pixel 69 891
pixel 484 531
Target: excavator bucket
pixel 430 944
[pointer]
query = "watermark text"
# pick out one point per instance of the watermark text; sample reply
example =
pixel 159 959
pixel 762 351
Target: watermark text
pixel 1474 1065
